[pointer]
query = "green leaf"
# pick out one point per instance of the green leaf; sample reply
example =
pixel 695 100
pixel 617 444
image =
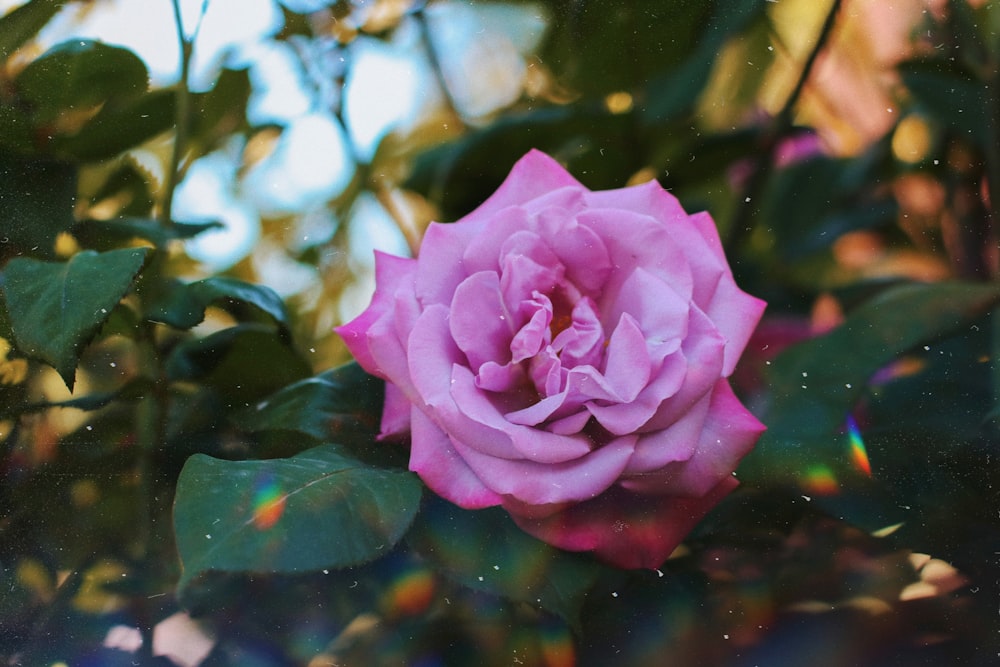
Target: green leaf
pixel 183 305
pixel 952 95
pixel 485 550
pixel 628 42
pixel 23 23
pixel 458 176
pixel 817 383
pixel 79 74
pixel 55 308
pixel 811 204
pixel 101 233
pixel 221 111
pixel 38 197
pixel 117 128
pixel 343 403
pixel 676 92
pixel 246 362
pixel 319 509
pixel 132 391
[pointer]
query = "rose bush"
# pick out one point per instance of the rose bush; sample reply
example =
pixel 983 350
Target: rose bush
pixel 565 354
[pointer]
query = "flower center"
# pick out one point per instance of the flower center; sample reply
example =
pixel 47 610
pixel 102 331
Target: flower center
pixel 560 323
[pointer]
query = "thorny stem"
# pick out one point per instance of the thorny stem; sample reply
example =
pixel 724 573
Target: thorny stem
pixel 742 223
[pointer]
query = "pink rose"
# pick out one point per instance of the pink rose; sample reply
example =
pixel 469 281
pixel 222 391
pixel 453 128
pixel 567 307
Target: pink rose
pixel 564 353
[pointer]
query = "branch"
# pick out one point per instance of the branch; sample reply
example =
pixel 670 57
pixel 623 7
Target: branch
pixel 742 224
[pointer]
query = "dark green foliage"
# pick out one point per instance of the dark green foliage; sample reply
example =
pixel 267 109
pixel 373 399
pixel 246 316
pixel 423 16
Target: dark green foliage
pixel 258 515
pixel 37 195
pixel 54 308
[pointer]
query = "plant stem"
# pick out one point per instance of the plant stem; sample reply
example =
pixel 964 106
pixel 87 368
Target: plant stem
pixel 182 115
pixel 742 224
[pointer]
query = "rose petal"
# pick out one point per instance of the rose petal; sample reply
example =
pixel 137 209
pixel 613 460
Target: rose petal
pixel 634 240
pixel 535 335
pixel 439 262
pixel 582 343
pixel 546 483
pixel 579 249
pixel 478 322
pixel 391 273
pixel 702 352
pixel 636 414
pixel 625 529
pixel 523 276
pixel 432 357
pixel 395 413
pixel 441 468
pixel 499 378
pixel 728 434
pixel 735 314
pixel 628 365
pixel 660 313
pixel 676 442
pixel 525 442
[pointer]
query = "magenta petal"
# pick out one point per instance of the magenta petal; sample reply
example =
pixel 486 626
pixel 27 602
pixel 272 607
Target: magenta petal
pixel 729 433
pixel 635 240
pixel 439 263
pixel 735 314
pixel 537 412
pixel 647 199
pixel 547 483
pixel 583 342
pixel 395 413
pixel 535 334
pixel 478 323
pixel 441 468
pixel 625 529
pixel 525 442
pixel 433 357
pixel 676 442
pixel 569 425
pixel 702 352
pixel 628 363
pixel 659 312
pixel 391 274
pixel 579 248
pixel 498 378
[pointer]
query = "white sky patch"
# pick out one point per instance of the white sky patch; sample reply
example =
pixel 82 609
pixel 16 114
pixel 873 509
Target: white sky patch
pixel 277 95
pixel 386 88
pixel 480 51
pixel 206 194
pixel 309 165
pixel 372 228
pixel 147 28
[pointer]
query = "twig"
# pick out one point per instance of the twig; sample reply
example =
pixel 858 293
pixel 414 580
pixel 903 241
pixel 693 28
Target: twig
pixel 182 115
pixel 742 223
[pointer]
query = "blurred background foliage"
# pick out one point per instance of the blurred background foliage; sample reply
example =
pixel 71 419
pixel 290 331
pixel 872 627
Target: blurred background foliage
pixel 177 241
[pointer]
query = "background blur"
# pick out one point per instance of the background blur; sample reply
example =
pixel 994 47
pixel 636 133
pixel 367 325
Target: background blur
pixel 843 148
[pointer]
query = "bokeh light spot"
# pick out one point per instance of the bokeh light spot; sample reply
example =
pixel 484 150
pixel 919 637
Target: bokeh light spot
pixel 557 647
pixel 821 481
pixel 410 594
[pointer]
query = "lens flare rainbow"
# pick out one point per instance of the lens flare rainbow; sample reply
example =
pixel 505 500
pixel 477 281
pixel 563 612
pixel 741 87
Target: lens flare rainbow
pixel 859 454
pixel 268 502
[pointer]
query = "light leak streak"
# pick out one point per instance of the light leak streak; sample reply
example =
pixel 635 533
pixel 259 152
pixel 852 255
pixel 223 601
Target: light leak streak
pixel 859 454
